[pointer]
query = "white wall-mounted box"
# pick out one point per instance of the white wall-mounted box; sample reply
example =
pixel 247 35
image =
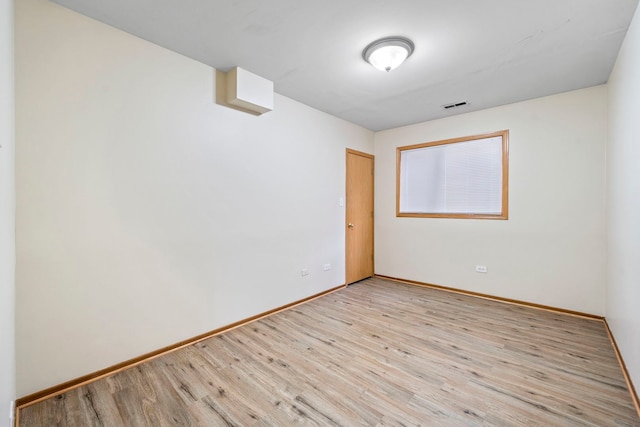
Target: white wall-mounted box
pixel 249 91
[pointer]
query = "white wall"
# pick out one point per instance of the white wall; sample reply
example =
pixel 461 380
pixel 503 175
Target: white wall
pixel 623 203
pixel 551 250
pixel 147 214
pixel 7 213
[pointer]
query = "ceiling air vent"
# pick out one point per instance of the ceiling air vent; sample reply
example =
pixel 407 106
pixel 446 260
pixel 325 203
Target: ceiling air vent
pixel 455 105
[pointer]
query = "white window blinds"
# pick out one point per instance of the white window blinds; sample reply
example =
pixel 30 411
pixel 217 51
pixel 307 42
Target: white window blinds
pixel 464 177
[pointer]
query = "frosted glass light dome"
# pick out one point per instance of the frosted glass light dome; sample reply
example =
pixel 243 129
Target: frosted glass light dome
pixel 388 53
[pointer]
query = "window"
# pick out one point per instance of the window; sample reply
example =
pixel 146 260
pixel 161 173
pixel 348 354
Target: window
pixel 456 178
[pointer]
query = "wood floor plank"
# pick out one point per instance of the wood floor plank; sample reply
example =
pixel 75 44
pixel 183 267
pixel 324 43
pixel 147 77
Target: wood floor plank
pixel 378 353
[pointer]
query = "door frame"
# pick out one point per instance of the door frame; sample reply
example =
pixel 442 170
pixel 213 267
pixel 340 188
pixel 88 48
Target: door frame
pixel 346 220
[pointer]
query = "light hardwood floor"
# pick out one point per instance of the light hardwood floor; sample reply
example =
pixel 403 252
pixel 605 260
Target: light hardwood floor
pixel 377 353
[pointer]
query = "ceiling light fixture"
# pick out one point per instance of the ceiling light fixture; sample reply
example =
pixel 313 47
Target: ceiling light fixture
pixel 387 53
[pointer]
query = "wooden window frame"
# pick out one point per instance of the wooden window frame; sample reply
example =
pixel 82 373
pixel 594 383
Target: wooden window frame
pixel 504 214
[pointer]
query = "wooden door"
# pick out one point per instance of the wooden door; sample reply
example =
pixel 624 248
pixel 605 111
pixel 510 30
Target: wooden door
pixel 359 216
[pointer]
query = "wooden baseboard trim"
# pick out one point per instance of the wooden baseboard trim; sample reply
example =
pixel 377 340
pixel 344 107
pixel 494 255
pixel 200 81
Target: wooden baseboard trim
pixel 493 297
pixel 623 366
pixel 36 397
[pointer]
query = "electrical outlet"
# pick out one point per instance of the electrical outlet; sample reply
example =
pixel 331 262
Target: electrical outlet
pixel 481 268
pixel 327 267
pixel 304 272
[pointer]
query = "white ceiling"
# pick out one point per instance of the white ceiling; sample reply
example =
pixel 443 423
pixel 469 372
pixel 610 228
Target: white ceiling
pixel 485 52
